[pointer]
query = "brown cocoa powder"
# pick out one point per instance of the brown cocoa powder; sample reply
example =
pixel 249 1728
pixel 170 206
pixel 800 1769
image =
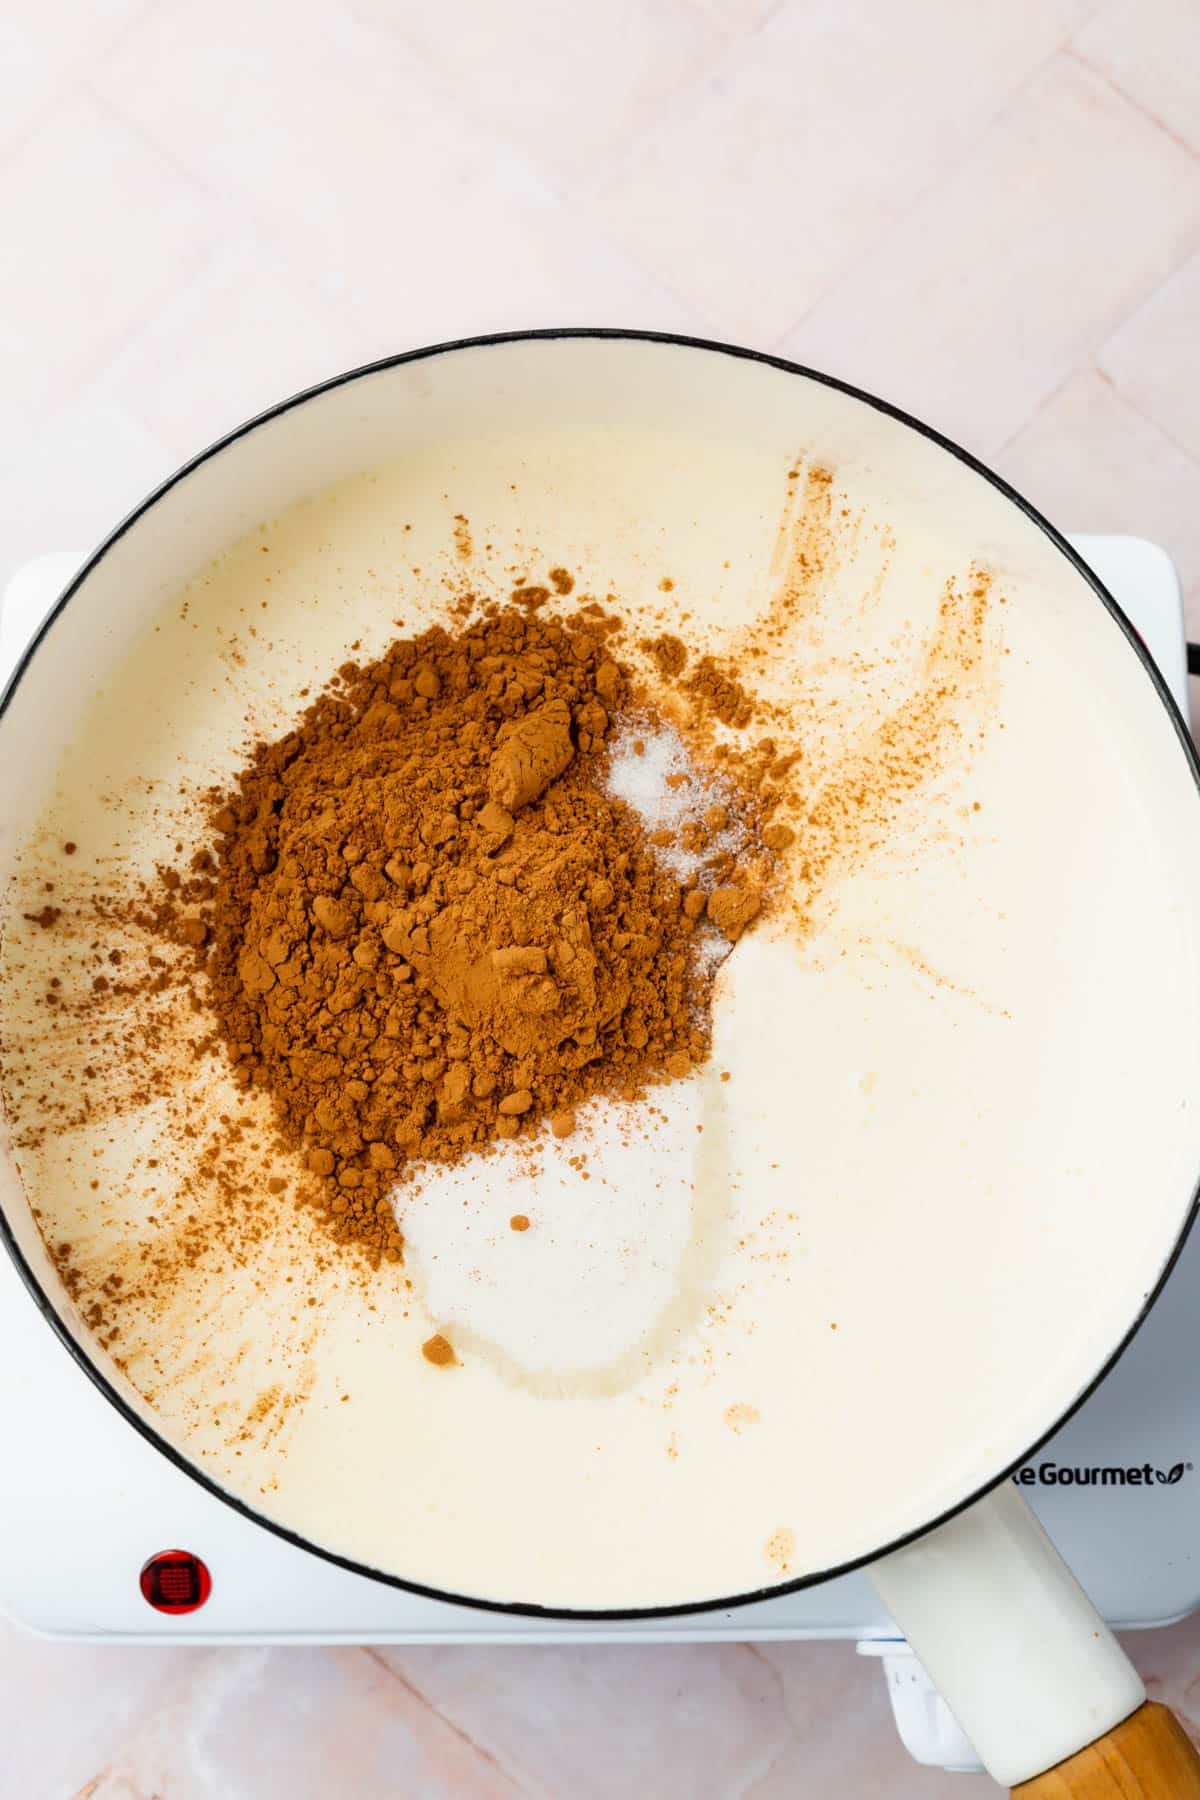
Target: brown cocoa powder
pixel 668 651
pixel 430 927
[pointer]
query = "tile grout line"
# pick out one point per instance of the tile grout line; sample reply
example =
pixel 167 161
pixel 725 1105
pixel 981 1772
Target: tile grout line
pixel 252 222
pixel 1125 399
pixel 95 369
pixel 137 18
pixel 116 115
pixel 588 191
pixel 773 7
pixel 480 1750
pixel 207 254
pixel 732 45
pixel 441 83
pixel 75 77
pixel 1090 365
pixel 262 220
pixel 1047 399
pixel 254 214
pixel 1089 362
pixel 936 179
pixel 1114 87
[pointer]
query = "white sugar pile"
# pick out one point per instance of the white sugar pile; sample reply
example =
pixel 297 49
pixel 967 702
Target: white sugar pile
pixel 652 772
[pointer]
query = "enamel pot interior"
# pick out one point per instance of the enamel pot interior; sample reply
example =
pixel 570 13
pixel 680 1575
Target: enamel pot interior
pixel 964 1142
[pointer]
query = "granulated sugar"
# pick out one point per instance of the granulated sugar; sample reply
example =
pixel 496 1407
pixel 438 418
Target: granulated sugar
pixel 650 769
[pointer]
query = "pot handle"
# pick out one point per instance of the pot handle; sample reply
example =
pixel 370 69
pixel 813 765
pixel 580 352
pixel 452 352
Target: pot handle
pixel 1026 1664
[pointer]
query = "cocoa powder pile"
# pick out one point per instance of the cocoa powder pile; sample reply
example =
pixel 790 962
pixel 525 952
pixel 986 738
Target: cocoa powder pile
pixel 426 926
pixel 423 910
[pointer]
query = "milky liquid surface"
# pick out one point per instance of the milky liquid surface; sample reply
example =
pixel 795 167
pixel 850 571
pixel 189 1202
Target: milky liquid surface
pixel 772 1320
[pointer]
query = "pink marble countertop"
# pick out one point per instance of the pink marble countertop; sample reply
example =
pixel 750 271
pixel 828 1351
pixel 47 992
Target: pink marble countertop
pixel 720 1722
pixel 991 214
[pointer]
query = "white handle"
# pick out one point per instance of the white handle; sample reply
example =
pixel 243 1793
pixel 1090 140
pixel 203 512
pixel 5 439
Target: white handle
pixel 1017 1650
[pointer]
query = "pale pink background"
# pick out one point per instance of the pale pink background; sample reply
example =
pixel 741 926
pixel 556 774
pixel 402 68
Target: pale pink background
pixel 989 213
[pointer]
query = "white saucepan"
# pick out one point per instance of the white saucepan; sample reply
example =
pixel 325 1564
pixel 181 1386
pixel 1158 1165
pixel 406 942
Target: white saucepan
pixel 958 1150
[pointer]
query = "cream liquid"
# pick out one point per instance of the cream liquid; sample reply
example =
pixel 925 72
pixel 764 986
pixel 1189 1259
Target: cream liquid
pixel 919 1212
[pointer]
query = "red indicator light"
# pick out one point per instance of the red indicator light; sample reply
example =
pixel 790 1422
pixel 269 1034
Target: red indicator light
pixel 175 1581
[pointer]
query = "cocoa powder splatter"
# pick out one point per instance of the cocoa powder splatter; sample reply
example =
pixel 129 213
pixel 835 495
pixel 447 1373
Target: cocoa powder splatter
pixel 715 689
pixel 669 653
pixel 45 917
